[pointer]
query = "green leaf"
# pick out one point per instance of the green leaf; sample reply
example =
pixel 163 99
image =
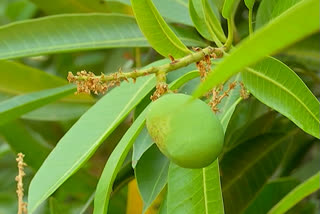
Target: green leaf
pixel 206 22
pixel 246 169
pixel 17 78
pixel 81 6
pixel 300 192
pixel 218 3
pixel 13 108
pixel 156 30
pixel 174 11
pixel 20 10
pixel 151 173
pixel 80 142
pixel 271 193
pixel 252 125
pixel 194 190
pixel 163 207
pixel 58 111
pixel 141 145
pixel 270 9
pixel 22 139
pixel 304 54
pixel 301 20
pixel 113 165
pixel 229 8
pixel 117 157
pixel 302 168
pixel 75 32
pixel 249 3
pixel 276 85
pixel 70 107
pixel 127 2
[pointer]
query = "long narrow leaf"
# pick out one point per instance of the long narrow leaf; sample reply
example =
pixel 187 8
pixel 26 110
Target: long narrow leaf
pixel 156 30
pixel 242 180
pixel 151 174
pixel 296 23
pixel 17 79
pixel 229 8
pixel 75 32
pixel 270 9
pixel 272 193
pixel 249 3
pixel 84 138
pixel 206 22
pixel 306 188
pixel 113 166
pixel 15 107
pixel 194 190
pixel 276 85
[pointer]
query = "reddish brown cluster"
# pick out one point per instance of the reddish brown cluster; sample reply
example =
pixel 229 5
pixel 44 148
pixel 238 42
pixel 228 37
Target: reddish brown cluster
pixel 87 82
pixel 217 97
pixel 204 67
pixel 243 91
pixel 161 88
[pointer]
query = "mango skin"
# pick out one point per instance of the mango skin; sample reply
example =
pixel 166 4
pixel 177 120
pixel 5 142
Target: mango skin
pixel 185 131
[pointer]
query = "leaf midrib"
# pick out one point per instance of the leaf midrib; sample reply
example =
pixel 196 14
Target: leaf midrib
pixel 205 190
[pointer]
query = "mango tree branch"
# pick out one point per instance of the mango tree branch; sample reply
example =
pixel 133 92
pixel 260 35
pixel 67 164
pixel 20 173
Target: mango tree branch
pixel 87 82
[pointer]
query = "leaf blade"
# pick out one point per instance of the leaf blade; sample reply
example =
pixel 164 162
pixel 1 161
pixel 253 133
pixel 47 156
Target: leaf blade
pixel 125 98
pixel 206 21
pixel 150 21
pixel 229 8
pixel 306 188
pixel 249 3
pixel 198 196
pixel 12 108
pixel 281 89
pixel 240 180
pixel 151 175
pixel 74 32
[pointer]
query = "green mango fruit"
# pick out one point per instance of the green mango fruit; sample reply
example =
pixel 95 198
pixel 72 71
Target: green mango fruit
pixel 185 130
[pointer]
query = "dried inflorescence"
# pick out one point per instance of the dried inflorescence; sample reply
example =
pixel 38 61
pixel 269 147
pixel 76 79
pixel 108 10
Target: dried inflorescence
pixel 204 65
pixel 161 88
pixel 22 206
pixel 217 97
pixel 88 82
